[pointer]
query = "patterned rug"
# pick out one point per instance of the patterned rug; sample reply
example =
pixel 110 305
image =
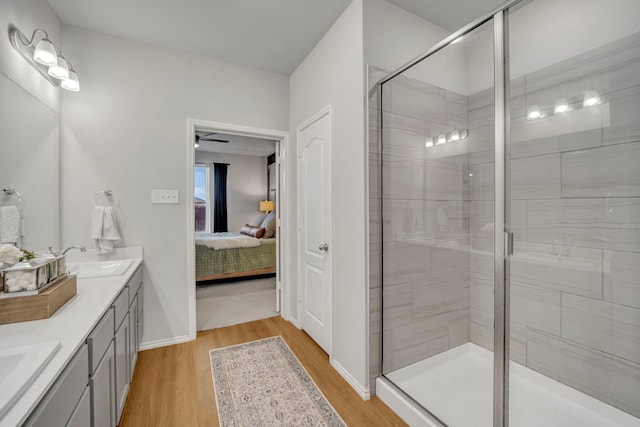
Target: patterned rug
pixel 262 383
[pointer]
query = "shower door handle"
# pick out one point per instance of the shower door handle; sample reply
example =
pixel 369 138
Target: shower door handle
pixel 323 247
pixel 508 243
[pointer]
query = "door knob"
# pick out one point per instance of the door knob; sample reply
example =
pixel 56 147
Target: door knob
pixel 323 247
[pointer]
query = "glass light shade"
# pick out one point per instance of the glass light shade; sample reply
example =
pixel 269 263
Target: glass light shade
pixel 72 83
pixel 61 70
pixel 442 139
pixel 561 106
pixel 196 144
pixel 429 142
pixel 45 53
pixel 534 112
pixel 591 98
pixel 455 135
pixel 267 206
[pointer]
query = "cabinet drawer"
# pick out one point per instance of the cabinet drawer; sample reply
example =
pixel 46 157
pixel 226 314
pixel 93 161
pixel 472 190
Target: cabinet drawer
pixel 99 339
pixel 58 405
pixel 134 283
pixel 120 307
pixel 81 417
pixel 140 301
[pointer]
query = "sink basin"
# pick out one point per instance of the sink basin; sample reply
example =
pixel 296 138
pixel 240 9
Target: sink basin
pixel 19 366
pixel 99 268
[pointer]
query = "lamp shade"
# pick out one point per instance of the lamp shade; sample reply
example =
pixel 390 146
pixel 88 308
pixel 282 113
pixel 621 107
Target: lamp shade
pixel 72 83
pixel 45 53
pixel 267 206
pixel 61 70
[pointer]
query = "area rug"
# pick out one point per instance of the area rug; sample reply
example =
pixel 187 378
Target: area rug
pixel 262 383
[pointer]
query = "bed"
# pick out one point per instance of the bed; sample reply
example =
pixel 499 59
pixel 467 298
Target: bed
pixel 228 258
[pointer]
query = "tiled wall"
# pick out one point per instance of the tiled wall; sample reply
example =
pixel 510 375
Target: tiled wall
pixel 426 223
pixel 575 213
pixel 575 191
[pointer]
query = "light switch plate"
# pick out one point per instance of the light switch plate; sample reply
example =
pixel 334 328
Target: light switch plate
pixel 164 197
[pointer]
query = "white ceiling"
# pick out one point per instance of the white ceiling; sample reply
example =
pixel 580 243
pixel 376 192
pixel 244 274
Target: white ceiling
pixel 449 14
pixel 245 145
pixel 272 35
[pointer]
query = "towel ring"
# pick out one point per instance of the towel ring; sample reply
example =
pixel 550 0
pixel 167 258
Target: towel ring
pixel 108 194
pixel 11 191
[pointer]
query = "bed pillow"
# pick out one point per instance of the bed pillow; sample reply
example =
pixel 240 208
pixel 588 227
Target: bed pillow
pixel 258 221
pixel 252 231
pixel 269 225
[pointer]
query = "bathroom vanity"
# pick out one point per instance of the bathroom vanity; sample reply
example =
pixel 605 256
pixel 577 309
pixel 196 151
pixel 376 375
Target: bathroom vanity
pixel 92 344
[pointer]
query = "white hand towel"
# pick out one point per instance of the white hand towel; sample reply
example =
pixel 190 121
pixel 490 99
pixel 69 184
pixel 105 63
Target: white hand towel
pixel 104 229
pixel 9 224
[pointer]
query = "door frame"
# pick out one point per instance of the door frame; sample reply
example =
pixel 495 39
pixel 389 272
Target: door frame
pixel 282 206
pixel 327 110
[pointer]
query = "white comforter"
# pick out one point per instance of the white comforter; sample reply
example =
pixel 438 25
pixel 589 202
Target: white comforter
pixel 226 240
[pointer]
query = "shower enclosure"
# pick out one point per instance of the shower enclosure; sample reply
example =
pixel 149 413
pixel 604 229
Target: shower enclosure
pixel 506 221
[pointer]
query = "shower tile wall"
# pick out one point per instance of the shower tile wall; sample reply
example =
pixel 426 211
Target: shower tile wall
pixel 426 243
pixel 575 275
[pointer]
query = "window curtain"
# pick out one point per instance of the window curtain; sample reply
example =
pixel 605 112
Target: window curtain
pixel 220 197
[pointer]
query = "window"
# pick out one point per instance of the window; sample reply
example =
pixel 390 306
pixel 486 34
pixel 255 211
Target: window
pixel 202 197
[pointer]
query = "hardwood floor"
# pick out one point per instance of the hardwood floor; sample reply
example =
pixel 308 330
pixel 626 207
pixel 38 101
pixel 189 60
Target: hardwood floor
pixel 172 385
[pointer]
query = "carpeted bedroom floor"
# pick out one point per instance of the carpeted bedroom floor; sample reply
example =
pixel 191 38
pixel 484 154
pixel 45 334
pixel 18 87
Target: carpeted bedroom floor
pixel 231 303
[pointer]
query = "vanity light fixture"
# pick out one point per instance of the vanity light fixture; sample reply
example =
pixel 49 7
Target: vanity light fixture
pixel 428 142
pixel 45 57
pixel 561 106
pixel 591 98
pixel 534 113
pixel 59 71
pixel 455 135
pixel 442 139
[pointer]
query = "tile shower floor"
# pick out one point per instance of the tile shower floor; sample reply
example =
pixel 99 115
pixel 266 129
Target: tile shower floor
pixel 457 386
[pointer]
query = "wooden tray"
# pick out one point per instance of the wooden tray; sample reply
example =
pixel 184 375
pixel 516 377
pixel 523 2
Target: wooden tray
pixel 40 306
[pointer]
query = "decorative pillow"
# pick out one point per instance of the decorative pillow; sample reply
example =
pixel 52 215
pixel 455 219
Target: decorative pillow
pixel 269 225
pixel 256 222
pixel 252 231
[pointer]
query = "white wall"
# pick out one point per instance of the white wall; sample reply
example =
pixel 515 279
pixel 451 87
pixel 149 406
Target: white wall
pixel 393 37
pixel 333 73
pixel 246 185
pixel 27 15
pixel 127 129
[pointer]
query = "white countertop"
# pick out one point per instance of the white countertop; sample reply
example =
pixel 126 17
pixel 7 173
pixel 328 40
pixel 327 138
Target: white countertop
pixel 70 325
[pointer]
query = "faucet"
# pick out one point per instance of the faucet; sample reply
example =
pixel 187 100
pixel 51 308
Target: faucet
pixel 82 249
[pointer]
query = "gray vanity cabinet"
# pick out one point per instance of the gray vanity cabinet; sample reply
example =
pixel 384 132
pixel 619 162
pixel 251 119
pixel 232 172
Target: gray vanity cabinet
pixel 121 339
pixel 103 391
pixel 81 417
pixel 64 404
pixel 133 336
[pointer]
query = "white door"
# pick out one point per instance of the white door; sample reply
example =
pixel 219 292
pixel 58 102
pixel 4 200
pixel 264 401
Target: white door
pixel 314 228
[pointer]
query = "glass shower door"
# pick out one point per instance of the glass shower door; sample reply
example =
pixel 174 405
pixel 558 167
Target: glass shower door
pixel 437 206
pixel 574 198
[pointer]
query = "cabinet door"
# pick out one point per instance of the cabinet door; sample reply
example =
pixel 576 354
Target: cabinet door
pixel 133 336
pixel 103 391
pixel 122 365
pixel 81 416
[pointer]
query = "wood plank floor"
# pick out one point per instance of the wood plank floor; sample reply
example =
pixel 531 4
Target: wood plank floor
pixel 172 385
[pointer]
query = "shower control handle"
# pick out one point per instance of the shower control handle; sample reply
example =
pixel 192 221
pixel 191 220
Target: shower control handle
pixel 324 247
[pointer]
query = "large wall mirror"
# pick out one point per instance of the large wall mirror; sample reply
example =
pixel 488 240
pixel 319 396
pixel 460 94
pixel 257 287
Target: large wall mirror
pixel 30 163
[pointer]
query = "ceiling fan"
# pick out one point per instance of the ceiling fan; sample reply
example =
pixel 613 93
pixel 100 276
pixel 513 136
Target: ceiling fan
pixel 207 136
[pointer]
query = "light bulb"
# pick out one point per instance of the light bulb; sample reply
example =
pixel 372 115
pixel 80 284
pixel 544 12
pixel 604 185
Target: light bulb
pixel 429 142
pixel 196 144
pixel 45 53
pixel 455 135
pixel 442 139
pixel 72 83
pixel 561 106
pixel 591 98
pixel 61 70
pixel 534 112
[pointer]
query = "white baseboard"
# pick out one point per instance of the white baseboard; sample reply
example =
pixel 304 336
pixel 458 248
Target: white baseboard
pixel 163 343
pixel 362 391
pixel 408 411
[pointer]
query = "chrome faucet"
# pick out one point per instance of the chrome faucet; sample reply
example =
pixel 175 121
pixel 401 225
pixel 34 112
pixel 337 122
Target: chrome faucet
pixel 82 249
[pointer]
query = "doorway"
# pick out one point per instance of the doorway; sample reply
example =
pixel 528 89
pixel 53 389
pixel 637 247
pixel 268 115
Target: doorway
pixel 216 130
